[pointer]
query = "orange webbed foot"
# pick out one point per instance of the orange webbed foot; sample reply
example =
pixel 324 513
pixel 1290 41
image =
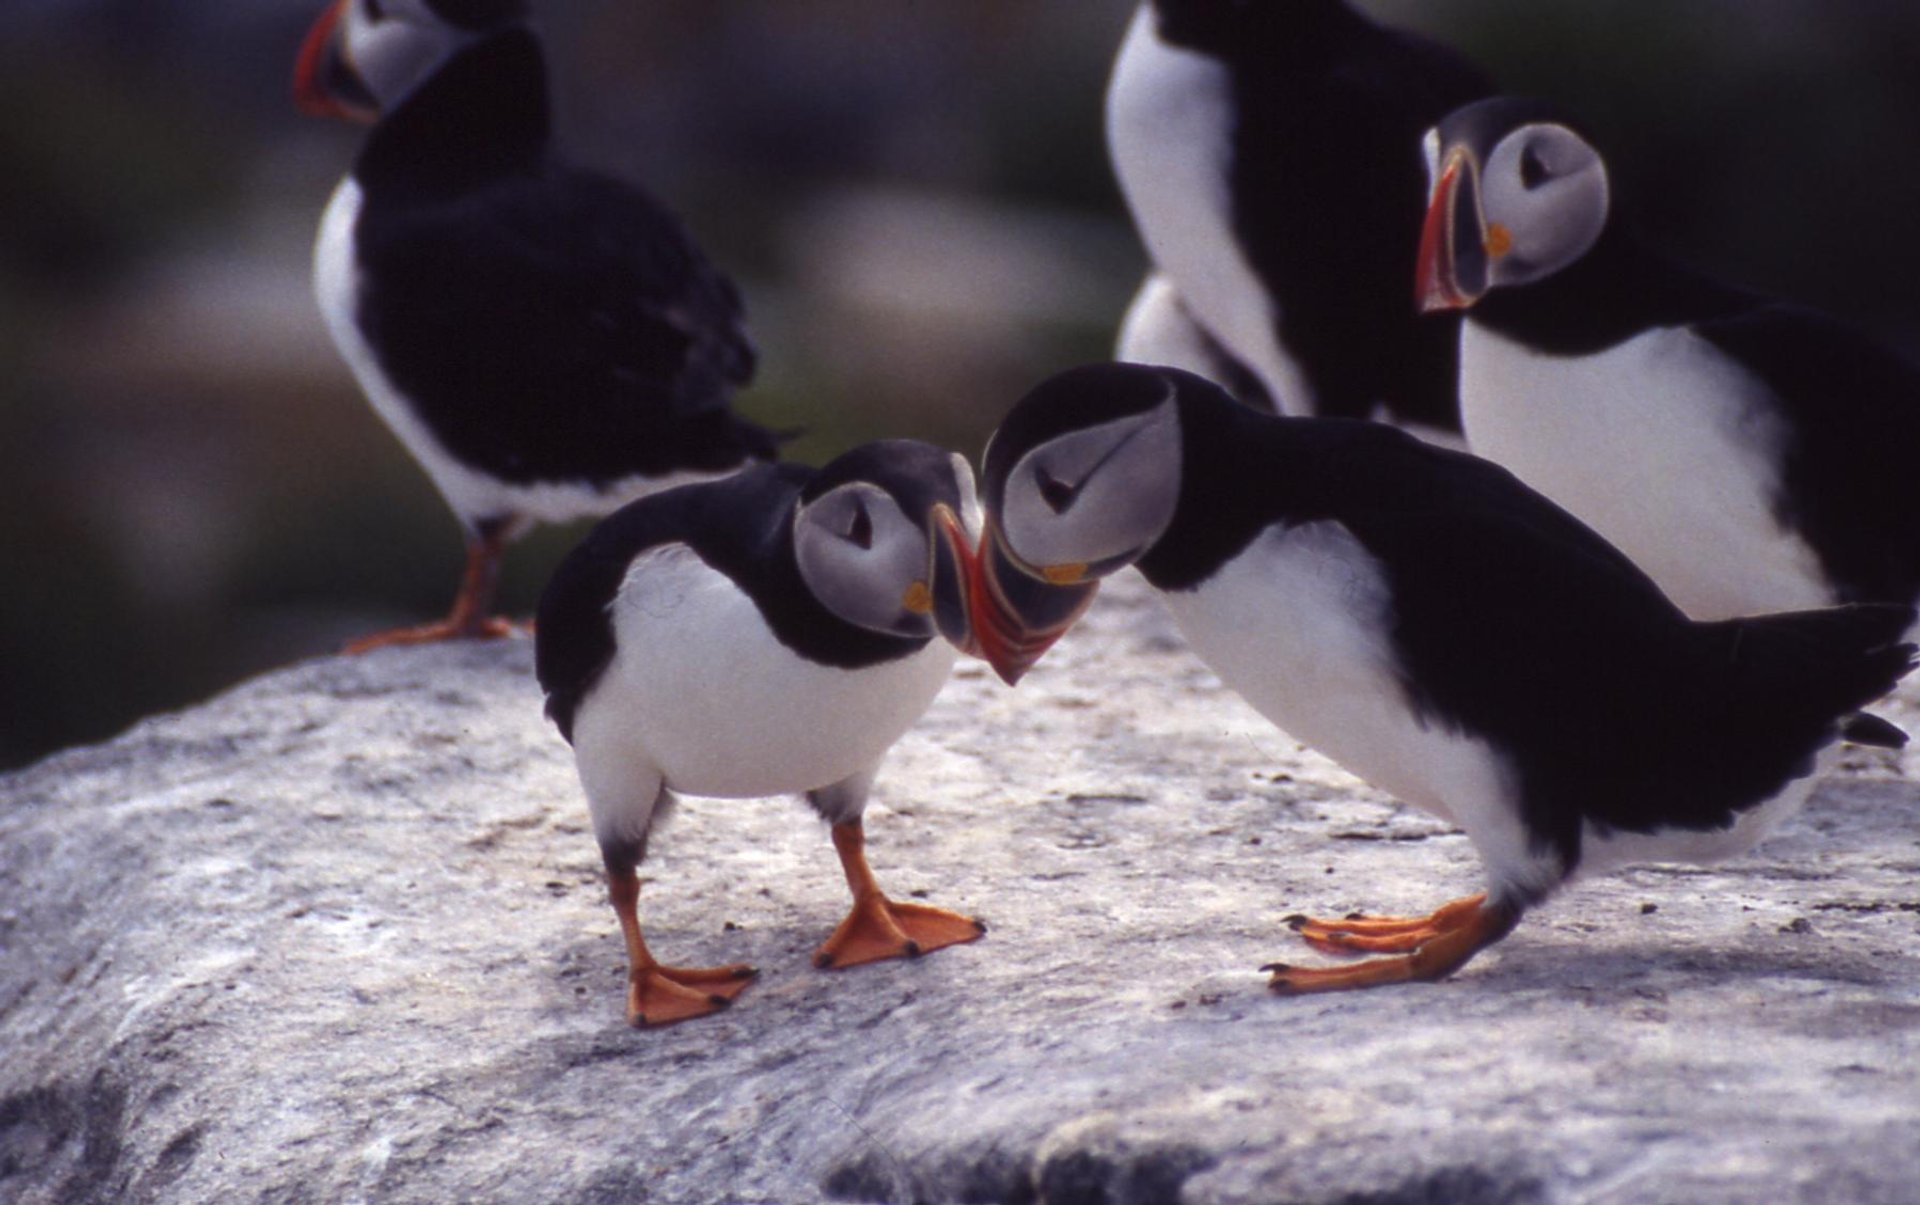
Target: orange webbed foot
pixel 1364 934
pixel 494 627
pixel 1427 948
pixel 878 928
pixel 660 995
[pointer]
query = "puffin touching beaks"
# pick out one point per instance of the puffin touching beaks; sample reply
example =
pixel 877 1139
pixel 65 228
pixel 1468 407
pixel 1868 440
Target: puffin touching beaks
pixel 1435 626
pixel 547 342
pixel 1270 155
pixel 1749 455
pixel 773 632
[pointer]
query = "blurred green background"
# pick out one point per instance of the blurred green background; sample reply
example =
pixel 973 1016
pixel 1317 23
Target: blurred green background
pixel 914 198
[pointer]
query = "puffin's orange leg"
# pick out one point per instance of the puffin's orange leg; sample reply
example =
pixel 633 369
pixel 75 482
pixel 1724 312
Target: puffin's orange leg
pixel 1386 934
pixel 469 619
pixel 661 995
pixel 877 927
pixel 1440 955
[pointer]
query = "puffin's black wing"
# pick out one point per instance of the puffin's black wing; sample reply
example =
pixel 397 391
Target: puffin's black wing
pixel 1852 408
pixel 558 325
pixel 1517 624
pixel 733 520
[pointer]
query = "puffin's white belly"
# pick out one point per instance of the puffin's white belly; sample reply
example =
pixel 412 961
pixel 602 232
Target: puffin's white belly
pixel 1663 447
pixel 1298 626
pixel 702 696
pixel 1169 129
pixel 473 495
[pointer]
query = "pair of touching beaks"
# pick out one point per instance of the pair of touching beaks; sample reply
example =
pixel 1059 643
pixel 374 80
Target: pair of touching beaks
pixel 1013 614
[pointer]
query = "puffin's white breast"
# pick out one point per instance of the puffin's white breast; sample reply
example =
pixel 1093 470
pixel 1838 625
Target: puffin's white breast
pixel 1298 625
pixel 1664 447
pixel 701 693
pixel 1170 122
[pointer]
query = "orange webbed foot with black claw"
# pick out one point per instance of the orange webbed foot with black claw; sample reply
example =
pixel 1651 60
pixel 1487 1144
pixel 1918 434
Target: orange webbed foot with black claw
pixel 878 928
pixel 1433 946
pixel 468 620
pixel 660 995
pixel 1364 934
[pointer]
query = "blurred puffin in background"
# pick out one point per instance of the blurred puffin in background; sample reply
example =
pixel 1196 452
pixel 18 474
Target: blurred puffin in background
pixel 775 632
pixel 1429 622
pixel 1270 155
pixel 547 342
pixel 1750 455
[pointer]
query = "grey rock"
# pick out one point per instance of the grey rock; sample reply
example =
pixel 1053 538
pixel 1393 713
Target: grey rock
pixel 339 935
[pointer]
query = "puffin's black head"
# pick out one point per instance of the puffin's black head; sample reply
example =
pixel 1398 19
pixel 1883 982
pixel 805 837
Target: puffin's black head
pixel 884 536
pixel 1518 194
pixel 1244 29
pixel 362 57
pixel 479 15
pixel 1081 479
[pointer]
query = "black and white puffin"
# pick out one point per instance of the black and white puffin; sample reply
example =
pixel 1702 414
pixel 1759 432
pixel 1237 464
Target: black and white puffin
pixel 1750 455
pixel 1270 155
pixel 547 342
pixel 773 632
pixel 1435 626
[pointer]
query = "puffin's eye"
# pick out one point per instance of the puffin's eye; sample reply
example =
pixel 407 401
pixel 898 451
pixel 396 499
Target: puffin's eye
pixel 375 10
pixel 1533 169
pixel 860 530
pixel 1057 494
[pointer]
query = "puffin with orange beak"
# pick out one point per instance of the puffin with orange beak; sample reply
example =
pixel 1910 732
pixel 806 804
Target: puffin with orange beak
pixel 1435 626
pixel 772 633
pixel 549 343
pixel 1750 455
pixel 1269 154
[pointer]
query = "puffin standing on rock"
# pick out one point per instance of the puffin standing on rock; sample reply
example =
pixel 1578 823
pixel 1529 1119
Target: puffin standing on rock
pixel 1432 624
pixel 1751 456
pixel 1270 155
pixel 773 632
pixel 547 342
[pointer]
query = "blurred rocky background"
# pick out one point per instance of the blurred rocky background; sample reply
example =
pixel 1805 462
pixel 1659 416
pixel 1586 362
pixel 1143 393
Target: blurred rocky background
pixel 914 197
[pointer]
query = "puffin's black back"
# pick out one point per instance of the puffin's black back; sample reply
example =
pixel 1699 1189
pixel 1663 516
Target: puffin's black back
pixel 1853 412
pixel 1329 185
pixel 478 14
pixel 548 323
pixel 741 526
pixel 1515 623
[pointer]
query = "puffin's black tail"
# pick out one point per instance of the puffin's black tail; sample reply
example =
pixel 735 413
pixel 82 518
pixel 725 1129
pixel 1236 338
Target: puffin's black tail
pixel 1864 729
pixel 1802 677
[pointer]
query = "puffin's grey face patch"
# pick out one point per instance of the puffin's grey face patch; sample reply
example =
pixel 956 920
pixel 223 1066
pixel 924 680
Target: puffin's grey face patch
pixel 1099 494
pixel 393 45
pixel 1545 189
pixel 862 559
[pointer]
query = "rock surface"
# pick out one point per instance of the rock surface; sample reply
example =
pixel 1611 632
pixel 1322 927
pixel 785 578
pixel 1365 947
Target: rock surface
pixel 339 935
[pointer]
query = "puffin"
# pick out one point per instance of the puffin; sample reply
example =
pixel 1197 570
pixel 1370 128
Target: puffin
pixel 548 342
pixel 1435 626
pixel 1752 455
pixel 768 633
pixel 1269 155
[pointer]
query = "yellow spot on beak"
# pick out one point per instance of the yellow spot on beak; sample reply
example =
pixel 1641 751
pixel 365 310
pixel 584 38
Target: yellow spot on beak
pixel 1065 575
pixel 1499 240
pixel 918 599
